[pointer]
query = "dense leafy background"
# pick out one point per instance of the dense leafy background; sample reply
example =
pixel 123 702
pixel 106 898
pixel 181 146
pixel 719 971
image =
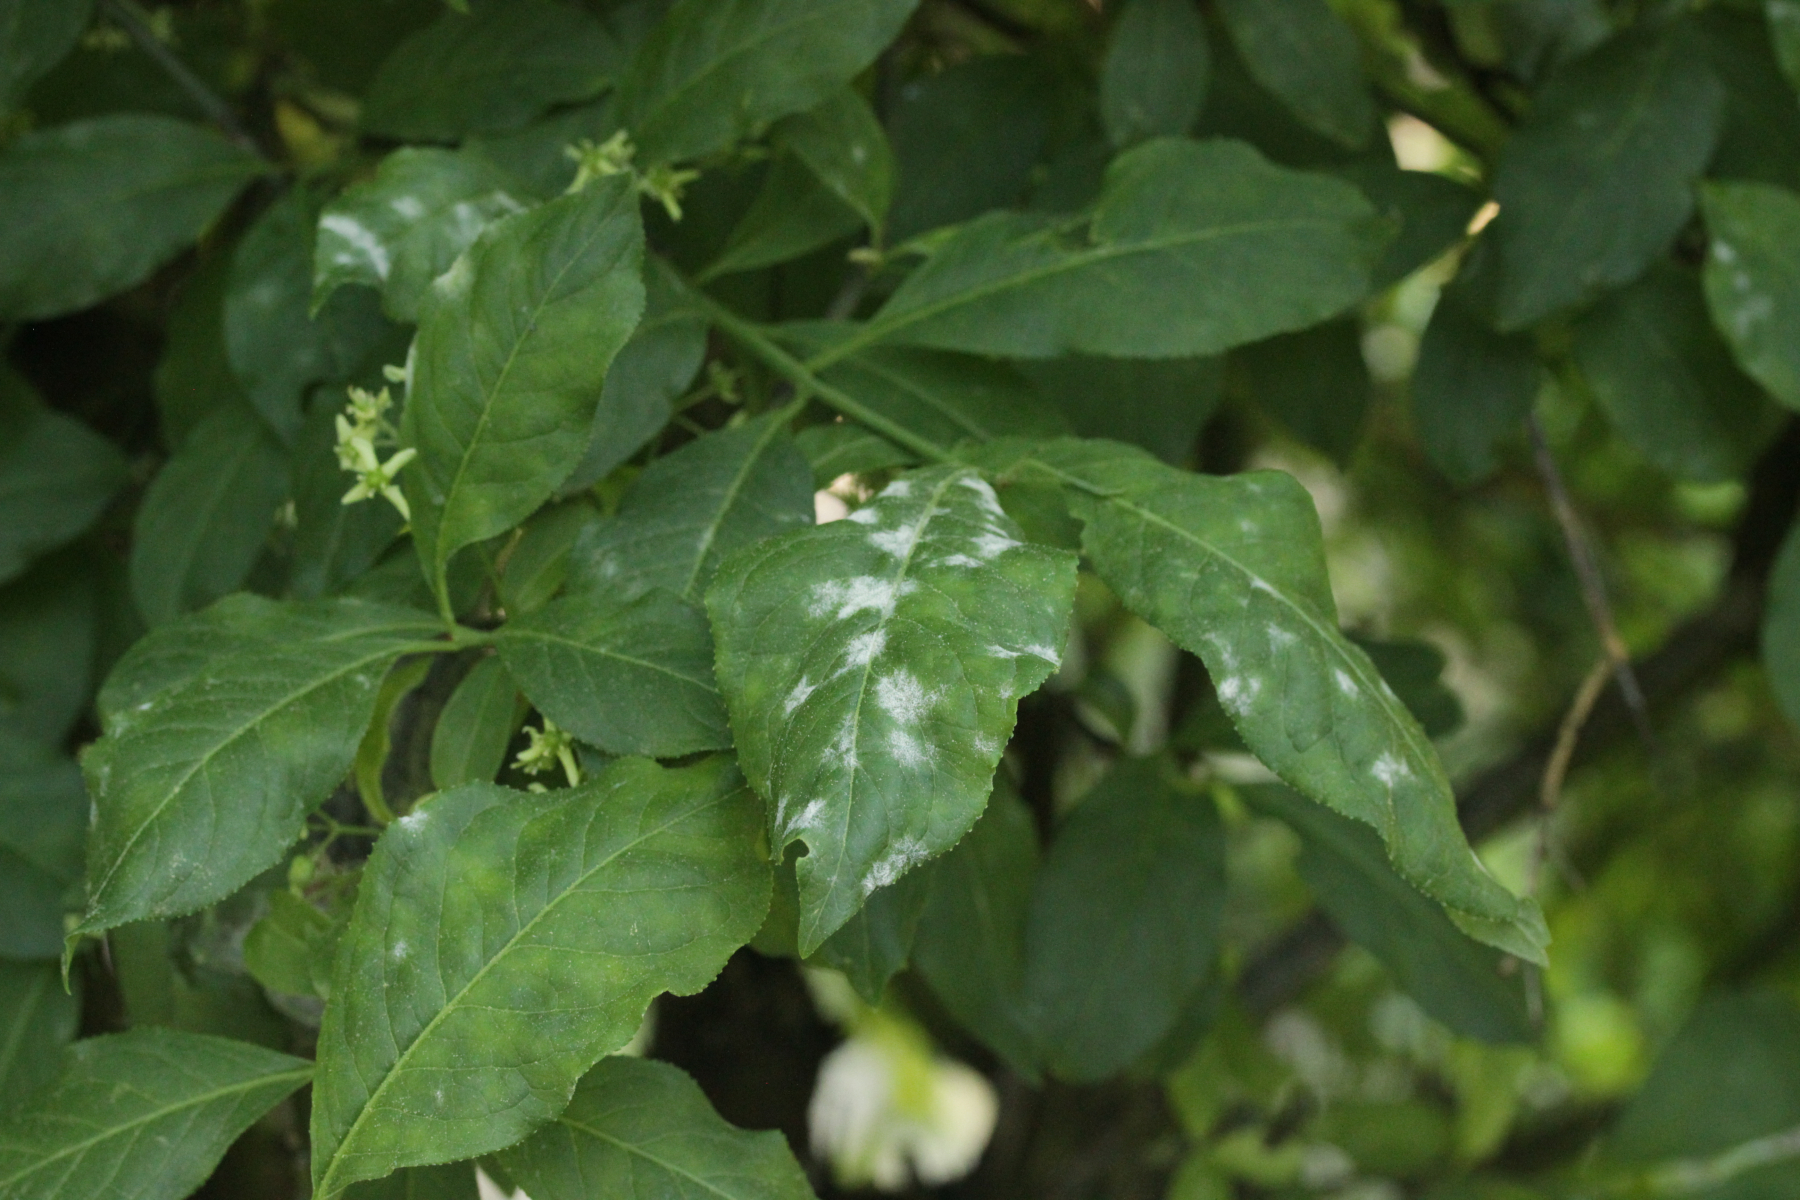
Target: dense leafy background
pixel 1096 540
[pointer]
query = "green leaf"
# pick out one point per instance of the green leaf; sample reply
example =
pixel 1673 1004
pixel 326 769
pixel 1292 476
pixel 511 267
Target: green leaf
pixel 715 71
pixel 629 675
pixel 1781 628
pixel 56 476
pixel 1726 1079
pixel 872 945
pixel 48 627
pixel 793 215
pixel 334 542
pixel 194 377
pixel 1600 175
pixel 970 947
pixel 966 140
pixel 92 208
pixel 1195 247
pixel 403 228
pixel 1140 862
pixel 1432 212
pixel 206 515
pixel 1414 670
pixel 591 901
pixel 655 366
pixel 1314 382
pixel 222 731
pixel 291 947
pixel 1760 138
pixel 468 745
pixel 843 145
pixel 1471 388
pixel 1784 35
pixel 1159 404
pixel 690 509
pixel 843 448
pixel 34 36
pixel 1454 979
pixel 1232 569
pixel 1153 80
pixel 276 346
pixel 1752 280
pixel 43 823
pixel 510 363
pixel 452 1181
pixel 872 668
pixel 942 397
pixel 1307 58
pixel 37 1019
pixel 494 68
pixel 144 1115
pixel 642 1130
pixel 1667 382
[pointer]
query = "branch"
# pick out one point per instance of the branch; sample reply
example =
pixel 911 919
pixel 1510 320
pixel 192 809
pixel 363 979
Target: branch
pixel 1693 654
pixel 211 103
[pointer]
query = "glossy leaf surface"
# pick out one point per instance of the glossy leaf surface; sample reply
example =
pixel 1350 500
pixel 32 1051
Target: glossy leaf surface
pixel 403 228
pixel 872 668
pixel 589 902
pixel 510 364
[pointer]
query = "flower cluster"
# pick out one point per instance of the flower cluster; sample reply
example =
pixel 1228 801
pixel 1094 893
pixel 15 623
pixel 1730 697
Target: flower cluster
pixel 361 428
pixel 662 183
pixel 548 747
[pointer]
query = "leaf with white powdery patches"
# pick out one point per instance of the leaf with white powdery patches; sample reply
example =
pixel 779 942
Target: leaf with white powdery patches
pixel 1233 570
pixel 510 363
pixel 463 1016
pixel 402 229
pixel 222 731
pixel 872 668
pixel 1753 280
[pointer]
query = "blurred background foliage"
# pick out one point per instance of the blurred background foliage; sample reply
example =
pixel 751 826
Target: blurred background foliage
pixel 1669 870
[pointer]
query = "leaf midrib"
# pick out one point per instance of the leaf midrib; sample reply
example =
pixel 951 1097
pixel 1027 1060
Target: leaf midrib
pixel 299 1076
pixel 929 512
pixel 738 480
pixel 631 1148
pixel 451 1005
pixel 556 639
pixel 719 61
pixel 490 394
pixel 878 329
pixel 289 698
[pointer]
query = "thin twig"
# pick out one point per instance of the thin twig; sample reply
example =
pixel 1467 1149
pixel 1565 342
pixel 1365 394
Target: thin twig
pixel 1557 768
pixel 211 103
pixel 1593 582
